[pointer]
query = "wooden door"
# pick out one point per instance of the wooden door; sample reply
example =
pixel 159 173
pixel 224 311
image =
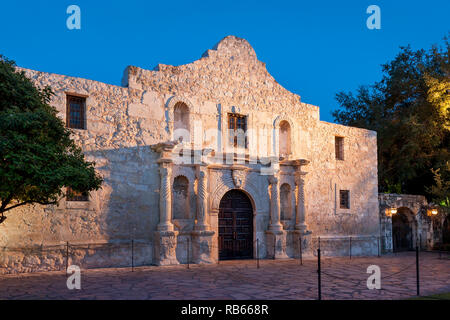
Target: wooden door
pixel 235 226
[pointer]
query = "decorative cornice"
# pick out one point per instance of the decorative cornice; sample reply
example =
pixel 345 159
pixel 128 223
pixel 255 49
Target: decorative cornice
pixel 164 146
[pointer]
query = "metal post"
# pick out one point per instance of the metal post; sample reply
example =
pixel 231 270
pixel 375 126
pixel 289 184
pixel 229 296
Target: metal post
pixel 274 246
pixel 417 270
pixel 132 255
pixel 257 253
pixel 350 249
pixel 187 249
pixel 67 256
pixel 319 284
pixel 319 242
pixel 412 241
pixel 378 243
pixel 300 250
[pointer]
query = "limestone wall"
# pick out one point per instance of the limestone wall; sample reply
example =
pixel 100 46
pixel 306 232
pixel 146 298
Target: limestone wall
pixel 117 139
pixel 123 122
pixel 327 176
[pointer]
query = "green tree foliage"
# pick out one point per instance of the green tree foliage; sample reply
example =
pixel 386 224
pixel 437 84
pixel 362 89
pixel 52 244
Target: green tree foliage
pixel 409 108
pixel 440 191
pixel 37 156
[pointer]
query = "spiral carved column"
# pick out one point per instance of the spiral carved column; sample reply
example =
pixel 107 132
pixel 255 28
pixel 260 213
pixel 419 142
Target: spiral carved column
pixel 302 235
pixel 300 217
pixel 202 198
pixel 165 198
pixel 202 236
pixel 165 238
pixel 275 236
pixel 275 223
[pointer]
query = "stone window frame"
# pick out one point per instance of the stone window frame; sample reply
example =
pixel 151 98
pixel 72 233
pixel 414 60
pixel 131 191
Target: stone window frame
pixel 171 103
pixel 224 110
pixel 276 133
pixel 76 196
pixel 84 97
pixel 88 204
pixel 339 147
pixel 236 116
pixel 344 205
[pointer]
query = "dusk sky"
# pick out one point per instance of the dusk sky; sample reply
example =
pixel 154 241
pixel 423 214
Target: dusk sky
pixel 312 48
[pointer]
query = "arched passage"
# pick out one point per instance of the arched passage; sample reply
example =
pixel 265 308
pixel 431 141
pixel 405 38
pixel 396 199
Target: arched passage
pixel 235 226
pixel 403 230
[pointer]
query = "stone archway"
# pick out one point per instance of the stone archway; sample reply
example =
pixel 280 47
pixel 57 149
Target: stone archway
pixel 235 226
pixel 404 229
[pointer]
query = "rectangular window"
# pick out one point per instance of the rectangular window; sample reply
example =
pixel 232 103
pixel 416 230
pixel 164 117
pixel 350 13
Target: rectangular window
pixel 76 196
pixel 339 148
pixel 76 112
pixel 237 129
pixel 344 199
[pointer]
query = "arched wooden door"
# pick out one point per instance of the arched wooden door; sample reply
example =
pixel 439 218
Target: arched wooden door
pixel 235 226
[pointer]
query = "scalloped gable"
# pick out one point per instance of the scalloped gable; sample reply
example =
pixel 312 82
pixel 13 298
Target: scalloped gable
pixel 229 73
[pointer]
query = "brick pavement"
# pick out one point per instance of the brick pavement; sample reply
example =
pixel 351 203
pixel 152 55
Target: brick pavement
pixel 275 279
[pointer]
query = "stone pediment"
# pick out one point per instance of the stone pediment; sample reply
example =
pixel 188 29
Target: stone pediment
pixel 229 73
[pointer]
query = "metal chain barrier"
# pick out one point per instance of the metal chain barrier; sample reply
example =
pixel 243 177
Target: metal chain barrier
pixel 79 253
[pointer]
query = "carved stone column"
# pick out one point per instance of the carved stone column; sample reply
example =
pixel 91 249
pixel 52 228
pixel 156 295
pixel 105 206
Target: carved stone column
pixel 165 238
pixel 302 237
pixel 275 236
pixel 275 224
pixel 202 235
pixel 202 198
pixel 300 216
pixel 165 197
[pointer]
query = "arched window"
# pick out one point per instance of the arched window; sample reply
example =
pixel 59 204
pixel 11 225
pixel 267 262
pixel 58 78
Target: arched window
pixel 180 198
pixel 285 138
pixel 286 202
pixel 181 125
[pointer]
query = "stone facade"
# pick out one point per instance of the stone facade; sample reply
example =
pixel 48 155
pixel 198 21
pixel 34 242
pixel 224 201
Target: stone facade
pixel 132 133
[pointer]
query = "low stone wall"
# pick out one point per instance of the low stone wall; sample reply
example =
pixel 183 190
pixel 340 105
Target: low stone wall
pixel 340 246
pixel 84 255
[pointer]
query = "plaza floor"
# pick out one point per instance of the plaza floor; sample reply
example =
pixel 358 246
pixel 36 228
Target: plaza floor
pixel 342 278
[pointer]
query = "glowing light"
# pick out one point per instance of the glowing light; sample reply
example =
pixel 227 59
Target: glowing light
pixel 391 211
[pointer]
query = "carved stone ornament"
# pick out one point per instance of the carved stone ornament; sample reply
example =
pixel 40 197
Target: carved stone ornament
pixel 239 176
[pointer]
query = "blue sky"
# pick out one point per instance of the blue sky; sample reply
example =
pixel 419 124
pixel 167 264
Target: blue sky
pixel 312 48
